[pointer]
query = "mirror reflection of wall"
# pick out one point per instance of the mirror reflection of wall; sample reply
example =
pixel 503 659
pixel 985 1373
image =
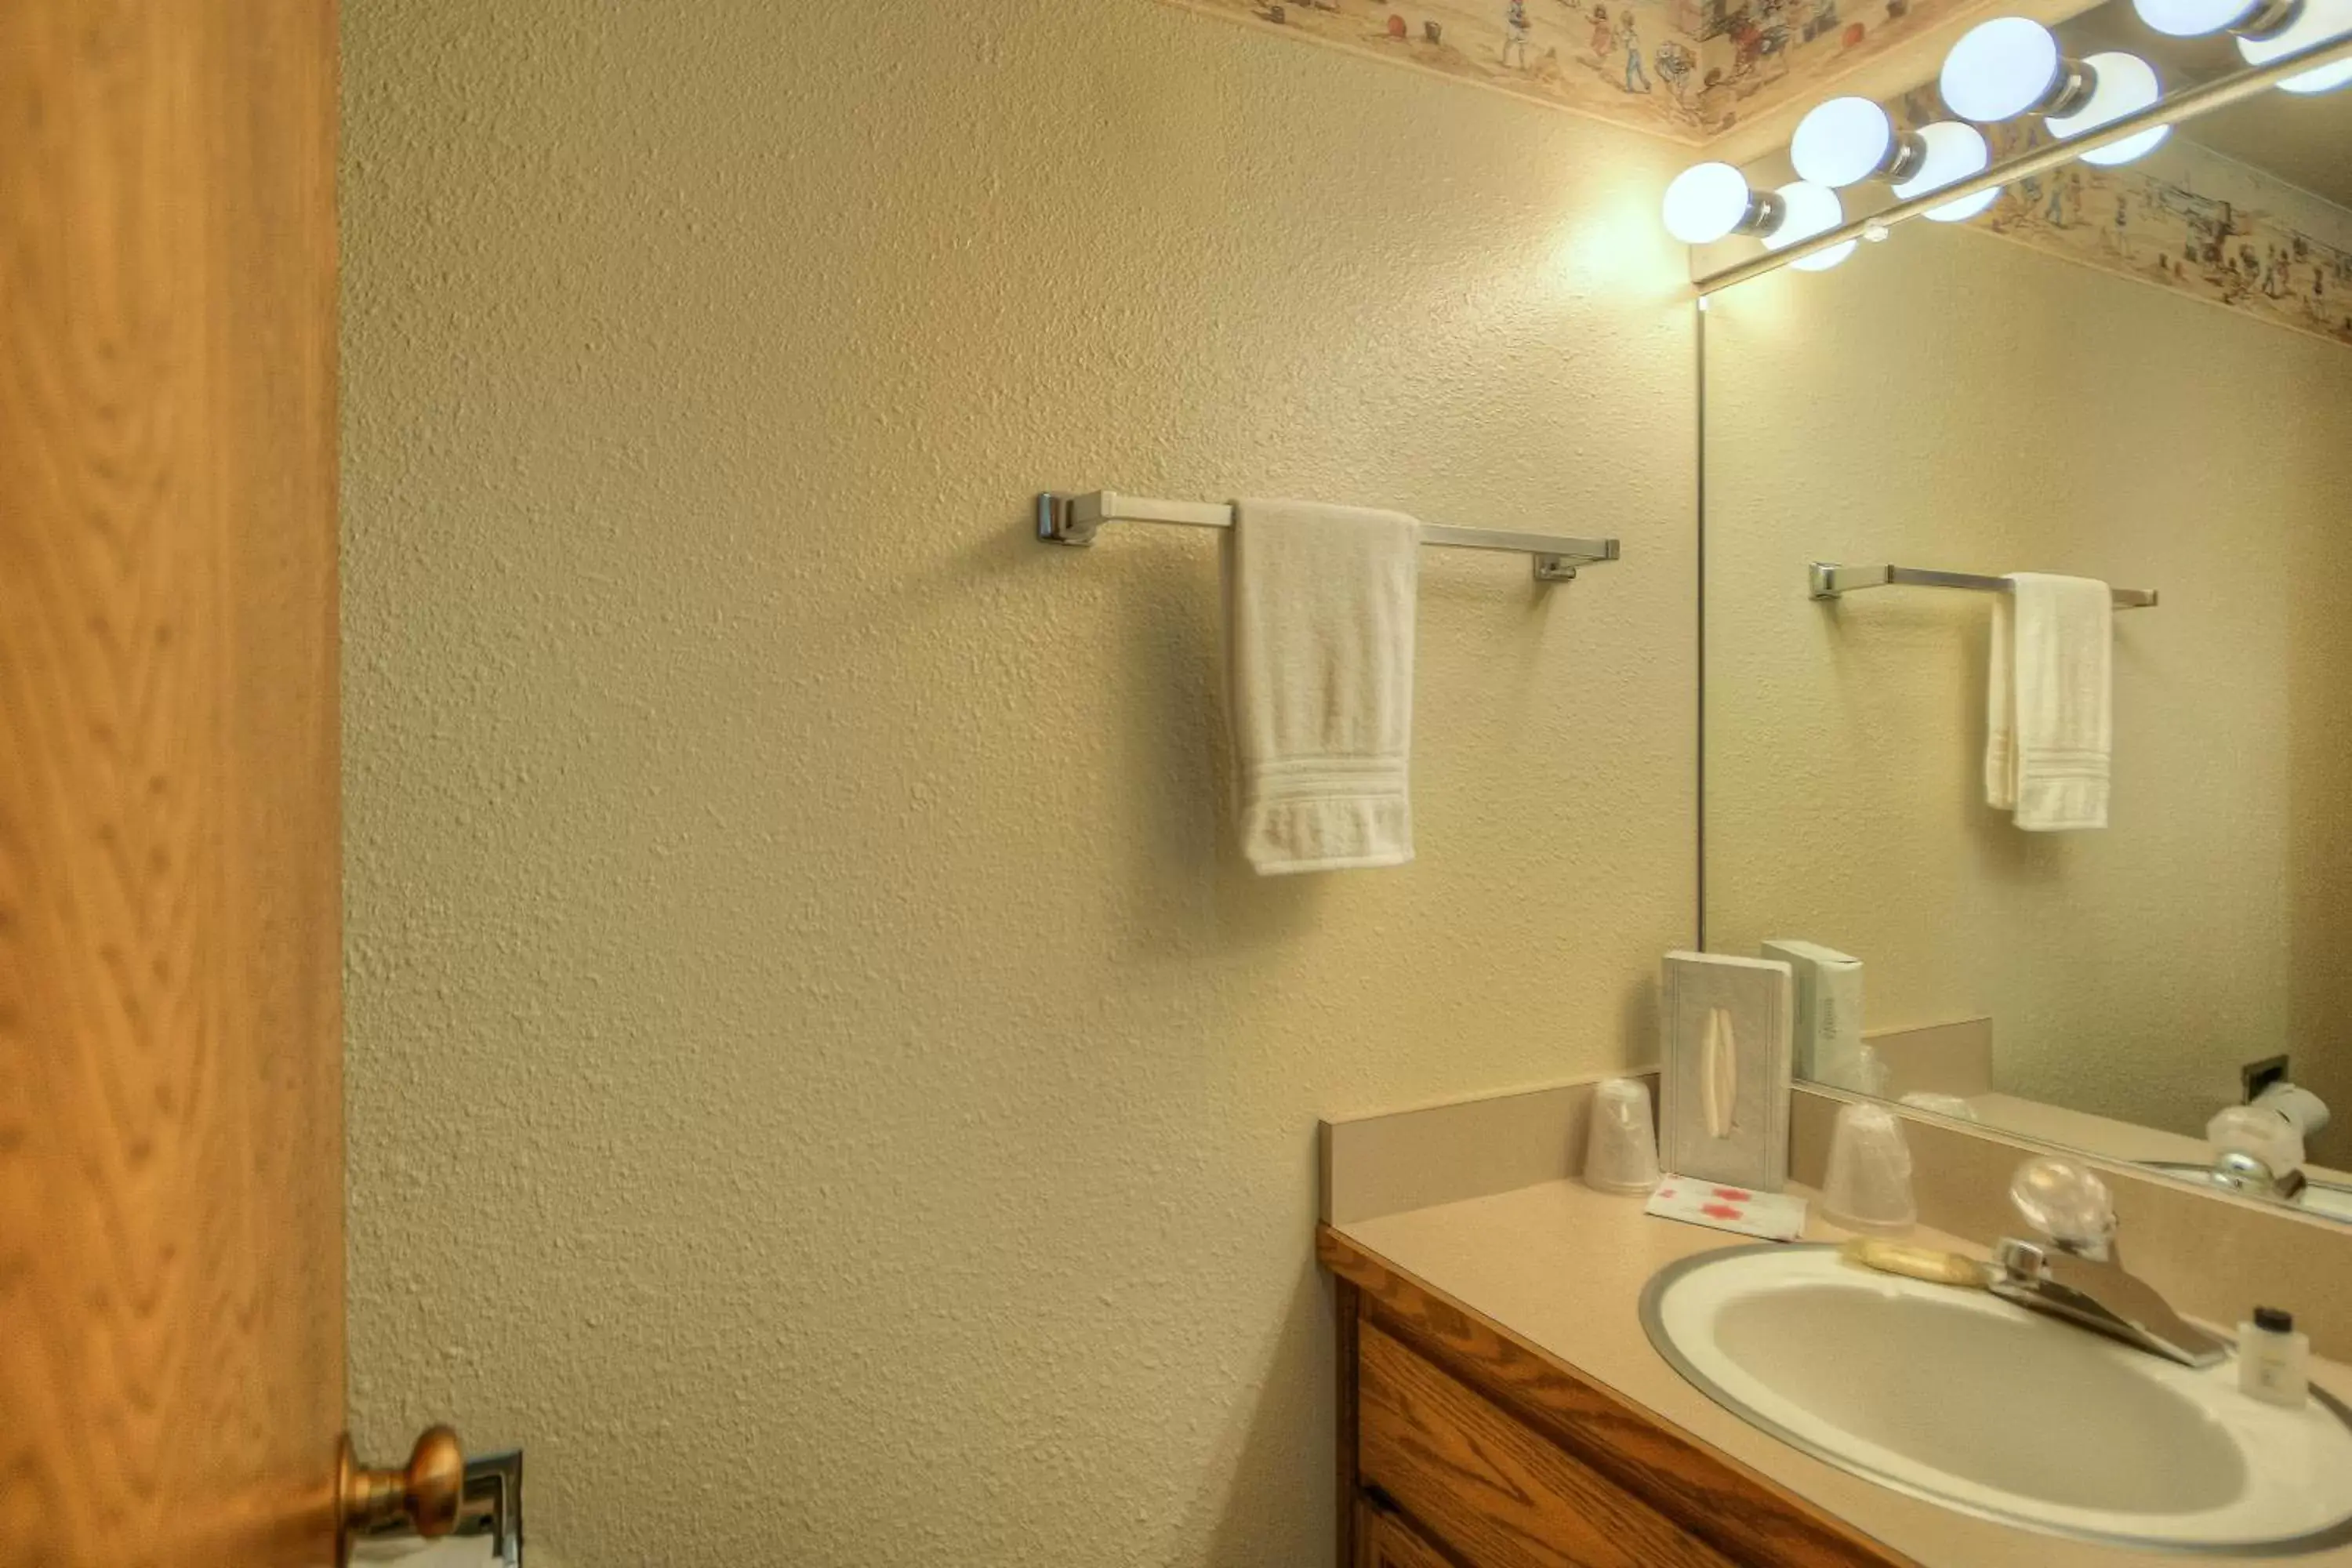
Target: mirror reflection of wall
pixel 2114 374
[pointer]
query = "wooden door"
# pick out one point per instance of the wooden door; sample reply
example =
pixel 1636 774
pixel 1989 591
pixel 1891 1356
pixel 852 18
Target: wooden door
pixel 171 1115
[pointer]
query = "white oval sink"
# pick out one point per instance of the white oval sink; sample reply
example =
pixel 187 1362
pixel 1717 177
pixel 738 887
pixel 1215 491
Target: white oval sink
pixel 1961 1398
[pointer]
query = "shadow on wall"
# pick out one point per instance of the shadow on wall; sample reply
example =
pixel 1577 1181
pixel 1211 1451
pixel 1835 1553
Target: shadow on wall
pixel 1172 755
pixel 1261 1516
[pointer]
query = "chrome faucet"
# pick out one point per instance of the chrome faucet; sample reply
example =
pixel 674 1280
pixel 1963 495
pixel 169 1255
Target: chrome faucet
pixel 2258 1151
pixel 2241 1173
pixel 2076 1275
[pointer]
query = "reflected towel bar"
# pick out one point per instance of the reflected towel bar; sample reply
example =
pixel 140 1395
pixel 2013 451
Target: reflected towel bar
pixel 1831 580
pixel 1072 520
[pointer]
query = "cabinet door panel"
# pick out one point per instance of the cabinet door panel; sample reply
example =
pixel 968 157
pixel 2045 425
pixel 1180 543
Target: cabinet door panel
pixel 1390 1542
pixel 1489 1485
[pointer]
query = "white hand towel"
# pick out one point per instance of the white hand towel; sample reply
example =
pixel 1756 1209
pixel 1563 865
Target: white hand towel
pixel 1319 630
pixel 2051 733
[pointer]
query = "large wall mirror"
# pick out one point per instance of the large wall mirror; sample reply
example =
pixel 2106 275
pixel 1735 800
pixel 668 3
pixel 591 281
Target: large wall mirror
pixel 2140 374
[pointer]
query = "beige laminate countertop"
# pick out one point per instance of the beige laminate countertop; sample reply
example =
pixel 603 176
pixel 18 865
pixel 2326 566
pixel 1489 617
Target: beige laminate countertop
pixel 1562 1266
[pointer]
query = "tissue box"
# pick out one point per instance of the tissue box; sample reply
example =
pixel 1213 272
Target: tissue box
pixel 1723 1110
pixel 1829 1048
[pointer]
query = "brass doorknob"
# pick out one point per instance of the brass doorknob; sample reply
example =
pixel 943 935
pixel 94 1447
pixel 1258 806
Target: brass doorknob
pixel 422 1498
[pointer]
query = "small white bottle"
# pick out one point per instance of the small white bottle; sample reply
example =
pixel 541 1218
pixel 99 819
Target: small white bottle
pixel 2273 1361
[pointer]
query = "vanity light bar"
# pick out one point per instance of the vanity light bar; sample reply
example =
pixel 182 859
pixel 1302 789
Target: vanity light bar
pixel 2203 98
pixel 1831 581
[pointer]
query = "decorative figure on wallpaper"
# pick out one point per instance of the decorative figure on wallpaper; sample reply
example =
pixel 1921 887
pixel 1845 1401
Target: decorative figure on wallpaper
pixel 1675 65
pixel 2209 225
pixel 1515 35
pixel 1714 59
pixel 1631 36
pixel 1760 43
pixel 2275 279
pixel 2055 200
pixel 2148 224
pixel 2175 222
pixel 1783 47
pixel 1717 59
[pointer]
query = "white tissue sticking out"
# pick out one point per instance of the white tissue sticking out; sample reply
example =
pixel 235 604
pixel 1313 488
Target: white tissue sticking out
pixel 1721 1076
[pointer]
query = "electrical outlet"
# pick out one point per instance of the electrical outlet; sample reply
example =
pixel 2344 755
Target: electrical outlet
pixel 2259 1076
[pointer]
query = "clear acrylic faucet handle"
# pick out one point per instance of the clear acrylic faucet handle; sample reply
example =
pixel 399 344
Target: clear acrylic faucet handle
pixel 2067 1203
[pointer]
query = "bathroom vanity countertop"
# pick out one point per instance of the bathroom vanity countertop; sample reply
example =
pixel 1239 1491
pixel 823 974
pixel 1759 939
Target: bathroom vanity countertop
pixel 1562 1266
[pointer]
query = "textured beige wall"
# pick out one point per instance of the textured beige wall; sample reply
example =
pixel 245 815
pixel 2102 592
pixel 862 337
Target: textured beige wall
pixel 819 1075
pixel 1961 402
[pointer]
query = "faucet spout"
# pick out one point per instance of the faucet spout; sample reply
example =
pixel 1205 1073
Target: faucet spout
pixel 2101 1296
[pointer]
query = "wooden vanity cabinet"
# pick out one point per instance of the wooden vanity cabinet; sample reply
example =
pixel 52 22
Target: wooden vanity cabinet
pixel 1463 1447
pixel 1384 1540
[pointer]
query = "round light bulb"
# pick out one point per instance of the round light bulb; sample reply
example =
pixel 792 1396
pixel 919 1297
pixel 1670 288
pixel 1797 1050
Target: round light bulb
pixel 2194 19
pixel 2000 68
pixel 2318 21
pixel 1955 151
pixel 2126 84
pixel 1843 142
pixel 1809 209
pixel 2131 148
pixel 1707 202
pixel 1822 261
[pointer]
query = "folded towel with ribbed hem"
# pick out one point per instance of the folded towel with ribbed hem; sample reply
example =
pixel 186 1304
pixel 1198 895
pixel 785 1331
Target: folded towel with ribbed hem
pixel 2050 736
pixel 1319 604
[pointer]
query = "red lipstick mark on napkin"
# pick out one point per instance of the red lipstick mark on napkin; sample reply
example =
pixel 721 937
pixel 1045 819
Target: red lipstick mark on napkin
pixel 1723 1211
pixel 1733 1194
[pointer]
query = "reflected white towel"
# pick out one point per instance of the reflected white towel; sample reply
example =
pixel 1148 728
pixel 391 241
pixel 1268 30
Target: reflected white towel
pixel 2051 733
pixel 1318 660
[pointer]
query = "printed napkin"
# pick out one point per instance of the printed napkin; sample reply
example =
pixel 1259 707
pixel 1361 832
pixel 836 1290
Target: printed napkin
pixel 1775 1216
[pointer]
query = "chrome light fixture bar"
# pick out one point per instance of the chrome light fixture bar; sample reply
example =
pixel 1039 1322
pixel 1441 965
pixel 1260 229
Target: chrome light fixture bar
pixel 2203 98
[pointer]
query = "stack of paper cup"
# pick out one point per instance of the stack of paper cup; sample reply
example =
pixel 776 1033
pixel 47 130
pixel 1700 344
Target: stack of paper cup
pixel 1621 1152
pixel 1868 1187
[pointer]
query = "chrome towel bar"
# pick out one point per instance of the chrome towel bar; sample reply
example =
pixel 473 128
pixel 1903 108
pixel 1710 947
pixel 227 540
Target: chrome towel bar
pixel 1072 520
pixel 1830 581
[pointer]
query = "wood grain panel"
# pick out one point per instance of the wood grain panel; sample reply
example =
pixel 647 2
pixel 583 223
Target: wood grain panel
pixel 1748 1518
pixel 1391 1543
pixel 1350 1536
pixel 171 1122
pixel 1496 1488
